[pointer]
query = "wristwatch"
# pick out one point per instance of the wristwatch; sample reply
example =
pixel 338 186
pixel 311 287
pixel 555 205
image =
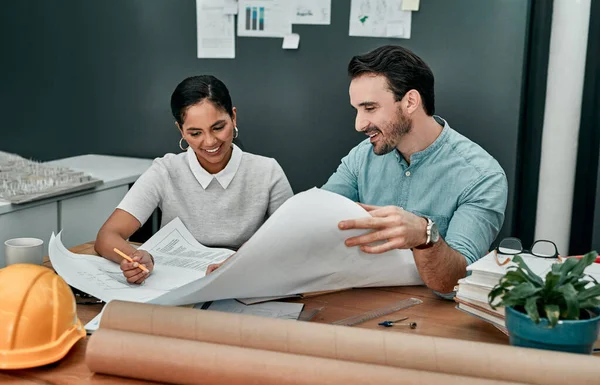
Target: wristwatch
pixel 433 235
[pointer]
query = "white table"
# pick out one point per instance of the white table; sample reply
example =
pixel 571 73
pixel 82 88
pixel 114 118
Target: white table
pixel 64 212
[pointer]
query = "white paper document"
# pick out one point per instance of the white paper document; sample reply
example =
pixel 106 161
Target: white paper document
pixel 300 249
pixel 311 12
pixel 230 7
pixel 379 18
pixel 94 324
pixel 291 41
pixel 215 30
pixel 282 310
pixel 179 259
pixel 265 18
pixel 489 266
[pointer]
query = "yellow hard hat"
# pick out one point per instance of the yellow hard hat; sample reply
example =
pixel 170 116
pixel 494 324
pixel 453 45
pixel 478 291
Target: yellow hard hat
pixel 38 317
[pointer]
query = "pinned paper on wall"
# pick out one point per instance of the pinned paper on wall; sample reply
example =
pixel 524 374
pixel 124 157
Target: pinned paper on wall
pixel 215 30
pixel 312 12
pixel 410 5
pixel 264 18
pixel 291 41
pixel 379 18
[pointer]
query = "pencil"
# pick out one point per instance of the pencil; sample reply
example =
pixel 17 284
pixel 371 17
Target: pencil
pixel 122 254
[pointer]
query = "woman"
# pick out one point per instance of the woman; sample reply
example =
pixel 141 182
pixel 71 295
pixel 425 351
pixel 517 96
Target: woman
pixel 220 193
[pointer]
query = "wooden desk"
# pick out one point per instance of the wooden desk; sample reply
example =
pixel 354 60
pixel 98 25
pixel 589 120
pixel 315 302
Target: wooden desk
pixel 434 317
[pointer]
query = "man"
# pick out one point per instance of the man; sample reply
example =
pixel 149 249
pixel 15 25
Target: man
pixel 427 187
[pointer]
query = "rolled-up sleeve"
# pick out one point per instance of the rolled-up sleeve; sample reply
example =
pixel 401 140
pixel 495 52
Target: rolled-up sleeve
pixel 344 180
pixel 479 216
pixel 146 193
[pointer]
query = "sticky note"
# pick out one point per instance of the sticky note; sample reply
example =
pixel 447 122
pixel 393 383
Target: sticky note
pixel 410 5
pixel 291 41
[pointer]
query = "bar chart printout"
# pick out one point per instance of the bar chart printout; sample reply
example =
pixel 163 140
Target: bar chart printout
pixel 265 18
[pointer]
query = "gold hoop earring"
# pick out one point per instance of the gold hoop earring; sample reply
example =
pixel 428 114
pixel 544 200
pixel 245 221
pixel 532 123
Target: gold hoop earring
pixel 181 145
pixel 236 132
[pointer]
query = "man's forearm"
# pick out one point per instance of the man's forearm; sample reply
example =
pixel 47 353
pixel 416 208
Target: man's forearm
pixel 440 266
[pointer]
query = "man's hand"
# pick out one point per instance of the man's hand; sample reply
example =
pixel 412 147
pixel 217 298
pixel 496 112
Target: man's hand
pixel 398 228
pixel 132 272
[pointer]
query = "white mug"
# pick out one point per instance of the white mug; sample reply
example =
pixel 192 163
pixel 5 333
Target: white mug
pixel 24 250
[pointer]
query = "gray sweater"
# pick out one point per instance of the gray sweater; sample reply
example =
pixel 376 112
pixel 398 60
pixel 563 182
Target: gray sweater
pixel 221 210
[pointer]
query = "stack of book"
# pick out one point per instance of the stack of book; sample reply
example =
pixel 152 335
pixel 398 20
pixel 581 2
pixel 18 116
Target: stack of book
pixel 472 291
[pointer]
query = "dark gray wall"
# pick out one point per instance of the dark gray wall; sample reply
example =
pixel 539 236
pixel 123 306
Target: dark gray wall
pixel 96 77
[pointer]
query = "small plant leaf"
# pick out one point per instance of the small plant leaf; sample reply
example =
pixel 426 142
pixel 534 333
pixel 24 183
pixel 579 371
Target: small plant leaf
pixel 570 298
pixel 552 313
pixel 524 290
pixel 515 277
pixel 534 277
pixel 593 279
pixel 552 279
pixel 580 285
pixel 531 309
pixel 556 268
pixel 584 262
pixel 590 292
pixel 496 292
pixel 589 303
pixel 568 265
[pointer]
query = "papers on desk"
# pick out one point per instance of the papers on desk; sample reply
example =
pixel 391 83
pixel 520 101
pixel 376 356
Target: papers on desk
pixel 282 310
pixel 94 324
pixel 298 250
pixel 179 259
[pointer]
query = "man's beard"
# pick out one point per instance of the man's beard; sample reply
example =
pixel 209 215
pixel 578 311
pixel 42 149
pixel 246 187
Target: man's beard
pixel 395 131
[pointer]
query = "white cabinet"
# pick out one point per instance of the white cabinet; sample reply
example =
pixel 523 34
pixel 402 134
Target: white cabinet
pixel 81 217
pixel 38 223
pixel 80 214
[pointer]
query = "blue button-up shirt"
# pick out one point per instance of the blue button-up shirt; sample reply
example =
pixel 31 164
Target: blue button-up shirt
pixel 453 181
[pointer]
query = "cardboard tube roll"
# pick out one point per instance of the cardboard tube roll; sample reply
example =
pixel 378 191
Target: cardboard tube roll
pixel 401 350
pixel 177 361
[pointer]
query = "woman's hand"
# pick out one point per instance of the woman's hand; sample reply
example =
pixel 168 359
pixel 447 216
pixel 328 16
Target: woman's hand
pixel 132 272
pixel 215 266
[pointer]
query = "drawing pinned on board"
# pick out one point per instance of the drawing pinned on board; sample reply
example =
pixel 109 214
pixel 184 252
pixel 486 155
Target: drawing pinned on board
pixel 291 41
pixel 379 18
pixel 312 12
pixel 264 18
pixel 215 31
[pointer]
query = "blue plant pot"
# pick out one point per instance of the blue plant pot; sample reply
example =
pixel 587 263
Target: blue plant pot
pixel 577 336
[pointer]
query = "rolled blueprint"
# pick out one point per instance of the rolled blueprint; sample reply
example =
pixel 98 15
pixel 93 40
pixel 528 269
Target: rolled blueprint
pixel 171 360
pixel 343 343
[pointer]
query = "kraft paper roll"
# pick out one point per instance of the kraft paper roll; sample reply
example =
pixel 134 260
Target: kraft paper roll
pixel 177 361
pixel 400 350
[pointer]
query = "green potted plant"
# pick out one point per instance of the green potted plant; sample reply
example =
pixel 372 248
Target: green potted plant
pixel 558 313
